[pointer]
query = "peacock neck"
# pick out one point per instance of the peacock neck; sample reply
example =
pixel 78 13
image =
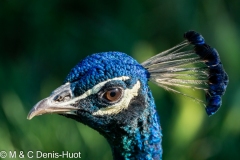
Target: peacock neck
pixel 139 140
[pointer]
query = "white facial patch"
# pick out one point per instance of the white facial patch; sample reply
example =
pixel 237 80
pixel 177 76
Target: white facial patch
pixel 121 105
pixel 91 91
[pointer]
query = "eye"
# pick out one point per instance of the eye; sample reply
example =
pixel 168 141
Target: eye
pixel 113 94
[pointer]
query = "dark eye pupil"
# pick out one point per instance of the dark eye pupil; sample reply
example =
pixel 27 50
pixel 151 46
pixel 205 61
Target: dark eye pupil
pixel 113 93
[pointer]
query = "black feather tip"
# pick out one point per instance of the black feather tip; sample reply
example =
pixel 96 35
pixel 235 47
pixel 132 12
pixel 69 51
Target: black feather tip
pixel 218 78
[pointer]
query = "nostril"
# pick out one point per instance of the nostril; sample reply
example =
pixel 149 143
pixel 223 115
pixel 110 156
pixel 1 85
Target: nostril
pixel 62 97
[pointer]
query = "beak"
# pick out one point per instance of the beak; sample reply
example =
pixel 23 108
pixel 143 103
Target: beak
pixel 58 102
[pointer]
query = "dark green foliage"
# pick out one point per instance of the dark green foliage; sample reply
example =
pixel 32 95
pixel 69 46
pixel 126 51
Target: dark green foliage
pixel 40 41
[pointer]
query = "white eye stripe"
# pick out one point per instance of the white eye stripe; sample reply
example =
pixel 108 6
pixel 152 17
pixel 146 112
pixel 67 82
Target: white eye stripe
pixel 123 104
pixel 92 91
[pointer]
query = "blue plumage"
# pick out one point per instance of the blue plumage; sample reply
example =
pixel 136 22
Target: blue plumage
pixel 102 66
pixel 136 129
pixel 109 92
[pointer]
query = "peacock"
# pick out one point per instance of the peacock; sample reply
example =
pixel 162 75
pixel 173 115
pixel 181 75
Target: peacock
pixel 109 92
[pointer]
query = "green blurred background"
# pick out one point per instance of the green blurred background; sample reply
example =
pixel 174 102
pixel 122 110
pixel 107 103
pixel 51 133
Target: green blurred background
pixel 40 41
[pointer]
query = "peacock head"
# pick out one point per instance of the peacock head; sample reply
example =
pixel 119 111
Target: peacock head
pixel 103 91
pixel 110 89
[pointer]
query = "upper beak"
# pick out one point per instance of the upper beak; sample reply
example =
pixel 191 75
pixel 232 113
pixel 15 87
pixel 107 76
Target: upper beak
pixel 44 107
pixel 55 103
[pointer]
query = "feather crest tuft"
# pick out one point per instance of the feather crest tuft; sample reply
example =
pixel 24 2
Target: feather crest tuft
pixel 198 68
